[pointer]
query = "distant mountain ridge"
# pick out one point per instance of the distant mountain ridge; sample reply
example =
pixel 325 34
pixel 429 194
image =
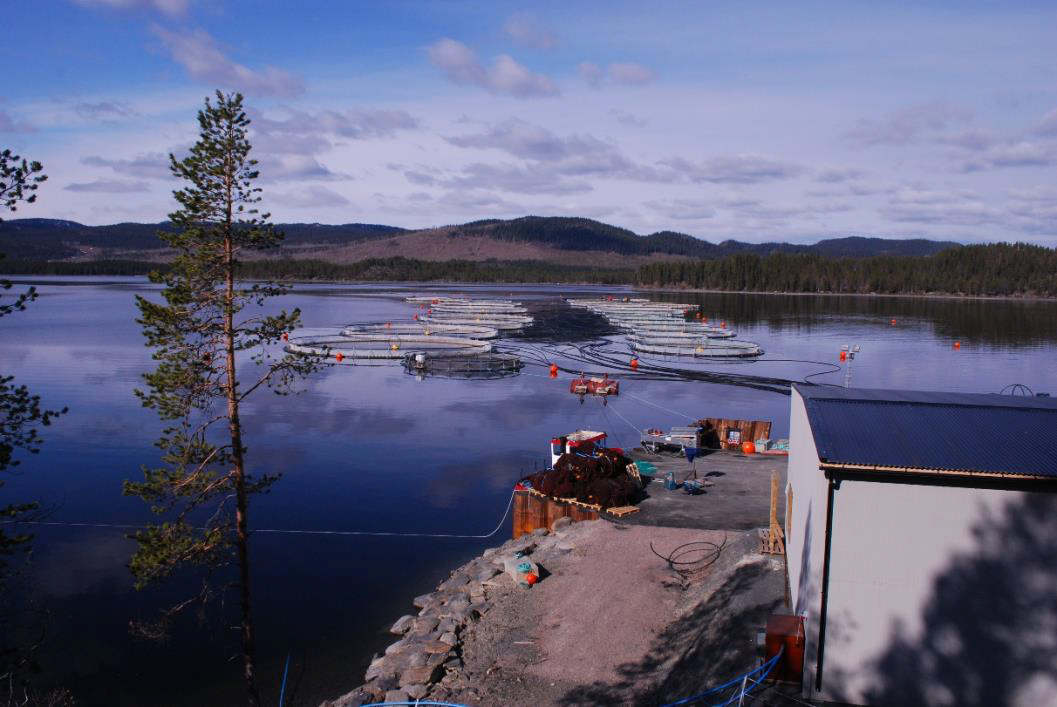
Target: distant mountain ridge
pixel 53 239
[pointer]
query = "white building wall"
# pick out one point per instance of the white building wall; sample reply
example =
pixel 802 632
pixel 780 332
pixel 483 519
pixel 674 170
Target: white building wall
pixel 891 543
pixel 805 529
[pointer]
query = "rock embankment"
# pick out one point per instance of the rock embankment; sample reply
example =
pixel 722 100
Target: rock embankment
pixel 427 657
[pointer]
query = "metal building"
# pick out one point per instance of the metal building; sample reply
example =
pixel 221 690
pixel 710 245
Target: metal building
pixel 922 546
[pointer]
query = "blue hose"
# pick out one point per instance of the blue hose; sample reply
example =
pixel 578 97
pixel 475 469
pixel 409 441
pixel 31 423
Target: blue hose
pixel 412 704
pixel 766 668
pixel 282 687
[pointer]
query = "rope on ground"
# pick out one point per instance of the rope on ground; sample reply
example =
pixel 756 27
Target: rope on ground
pixel 742 680
pixel 291 531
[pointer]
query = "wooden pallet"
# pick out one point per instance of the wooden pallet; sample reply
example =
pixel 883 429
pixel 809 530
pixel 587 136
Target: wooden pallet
pixel 621 511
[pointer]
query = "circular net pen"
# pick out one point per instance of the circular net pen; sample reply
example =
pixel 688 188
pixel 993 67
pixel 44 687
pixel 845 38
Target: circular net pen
pixel 365 347
pixel 709 349
pixel 480 366
pixel 679 338
pixel 474 308
pixel 470 331
pixel 503 323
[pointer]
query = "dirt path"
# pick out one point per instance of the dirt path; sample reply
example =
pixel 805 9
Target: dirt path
pixel 613 624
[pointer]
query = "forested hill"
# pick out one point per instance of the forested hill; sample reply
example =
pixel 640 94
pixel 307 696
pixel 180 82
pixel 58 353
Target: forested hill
pixel 997 269
pixel 50 239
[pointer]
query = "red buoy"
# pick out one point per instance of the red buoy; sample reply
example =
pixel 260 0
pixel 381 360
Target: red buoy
pixel 554 370
pixel 893 322
pixel 339 357
pixel 957 344
pixel 634 362
pixel 748 447
pixel 531 579
pixel 843 355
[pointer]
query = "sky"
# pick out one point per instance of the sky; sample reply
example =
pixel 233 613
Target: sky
pixel 757 121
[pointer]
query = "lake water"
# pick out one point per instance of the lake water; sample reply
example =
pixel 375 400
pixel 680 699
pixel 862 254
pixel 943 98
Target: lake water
pixel 372 448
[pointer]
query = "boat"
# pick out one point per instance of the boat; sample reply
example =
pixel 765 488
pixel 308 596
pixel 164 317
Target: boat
pixel 602 387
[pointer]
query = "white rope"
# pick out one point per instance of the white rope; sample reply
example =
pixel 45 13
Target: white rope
pixel 289 531
pixel 661 407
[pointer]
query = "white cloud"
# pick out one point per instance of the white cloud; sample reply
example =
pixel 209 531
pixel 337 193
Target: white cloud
pixel 528 31
pixel 630 73
pixel 153 165
pixel 1048 125
pixel 109 186
pixel 683 209
pixel 9 124
pixel 1014 153
pixel 104 110
pixel 173 8
pixel 204 61
pixel 461 65
pixel 629 119
pixel 733 169
pixel 590 72
pixel 317 197
pixel 928 206
pixel 908 125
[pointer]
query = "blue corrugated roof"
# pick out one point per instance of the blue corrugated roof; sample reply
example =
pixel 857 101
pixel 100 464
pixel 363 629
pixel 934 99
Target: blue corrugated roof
pixel 933 431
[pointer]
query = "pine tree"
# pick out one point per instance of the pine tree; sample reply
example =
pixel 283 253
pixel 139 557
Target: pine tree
pixel 21 417
pixel 203 339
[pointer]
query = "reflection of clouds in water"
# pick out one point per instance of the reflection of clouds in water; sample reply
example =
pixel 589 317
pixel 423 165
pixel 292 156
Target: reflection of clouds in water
pixel 66 568
pixel 456 482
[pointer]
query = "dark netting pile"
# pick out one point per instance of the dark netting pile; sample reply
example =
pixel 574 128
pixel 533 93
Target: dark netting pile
pixel 602 479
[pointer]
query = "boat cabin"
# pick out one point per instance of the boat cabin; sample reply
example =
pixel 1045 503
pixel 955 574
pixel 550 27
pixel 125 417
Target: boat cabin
pixel 583 441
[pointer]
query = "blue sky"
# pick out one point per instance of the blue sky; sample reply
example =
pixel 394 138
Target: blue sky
pixel 755 121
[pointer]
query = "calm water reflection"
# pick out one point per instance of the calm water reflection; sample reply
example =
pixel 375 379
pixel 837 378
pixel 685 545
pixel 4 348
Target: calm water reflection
pixel 371 448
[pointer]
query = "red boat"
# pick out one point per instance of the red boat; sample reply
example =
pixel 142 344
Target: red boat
pixel 594 386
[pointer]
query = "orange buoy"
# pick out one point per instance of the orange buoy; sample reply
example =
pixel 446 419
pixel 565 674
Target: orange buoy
pixel 634 362
pixel 748 447
pixel 843 355
pixel 554 370
pixel 893 322
pixel 957 344
pixel 531 579
pixel 339 357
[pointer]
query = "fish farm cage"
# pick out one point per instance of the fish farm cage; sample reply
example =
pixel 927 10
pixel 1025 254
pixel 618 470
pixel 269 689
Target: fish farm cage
pixel 493 365
pixel 470 331
pixel 663 328
pixel 354 347
pixel 707 349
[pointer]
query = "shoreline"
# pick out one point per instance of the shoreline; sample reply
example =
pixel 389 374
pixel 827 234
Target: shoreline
pixel 609 622
pixel 30 278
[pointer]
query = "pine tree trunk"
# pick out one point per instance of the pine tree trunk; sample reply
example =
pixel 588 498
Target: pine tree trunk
pixel 249 645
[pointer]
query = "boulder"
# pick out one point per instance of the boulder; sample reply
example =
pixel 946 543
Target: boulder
pixel 561 524
pixel 396 696
pixel 423 675
pixel 402 625
pixel 416 692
